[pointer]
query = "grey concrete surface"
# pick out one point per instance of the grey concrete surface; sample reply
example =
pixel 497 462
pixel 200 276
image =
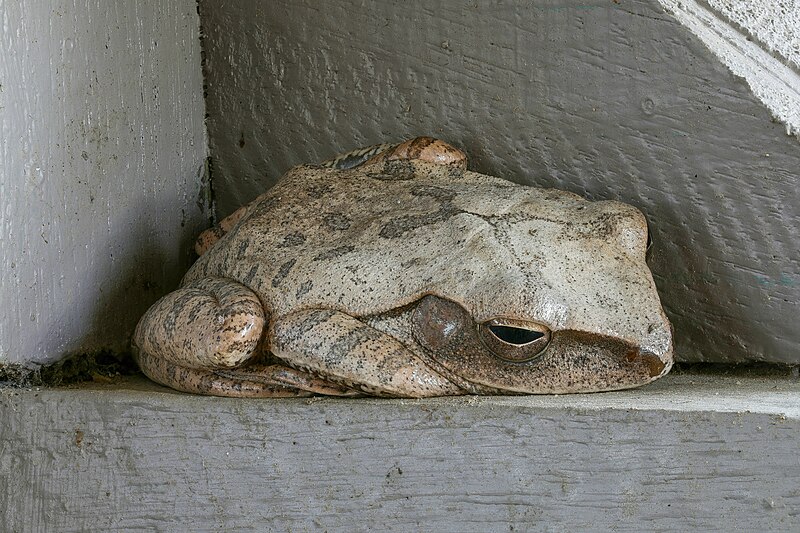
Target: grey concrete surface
pixel 691 452
pixel 608 100
pixel 102 163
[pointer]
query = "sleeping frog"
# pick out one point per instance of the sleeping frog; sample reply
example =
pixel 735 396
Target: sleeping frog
pixel 395 271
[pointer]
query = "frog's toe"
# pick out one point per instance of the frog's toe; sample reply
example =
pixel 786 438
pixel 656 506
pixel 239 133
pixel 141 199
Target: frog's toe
pixel 207 324
pixel 207 239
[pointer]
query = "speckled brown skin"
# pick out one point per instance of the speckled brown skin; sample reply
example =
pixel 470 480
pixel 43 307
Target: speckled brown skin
pixel 356 355
pixel 425 149
pixel 210 236
pixel 420 148
pixel 409 276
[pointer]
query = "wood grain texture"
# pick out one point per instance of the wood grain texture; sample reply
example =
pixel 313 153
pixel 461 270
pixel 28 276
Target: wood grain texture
pixel 689 453
pixel 102 162
pixel 611 101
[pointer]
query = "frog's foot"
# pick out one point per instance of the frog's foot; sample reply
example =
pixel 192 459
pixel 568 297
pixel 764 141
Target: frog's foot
pixel 354 355
pixel 422 148
pixel 207 239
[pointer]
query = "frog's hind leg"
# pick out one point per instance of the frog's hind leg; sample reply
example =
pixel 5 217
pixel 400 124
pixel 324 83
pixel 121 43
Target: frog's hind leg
pixel 356 157
pixel 202 338
pixel 250 381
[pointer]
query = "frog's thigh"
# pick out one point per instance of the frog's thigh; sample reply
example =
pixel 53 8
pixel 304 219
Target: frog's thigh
pixel 354 354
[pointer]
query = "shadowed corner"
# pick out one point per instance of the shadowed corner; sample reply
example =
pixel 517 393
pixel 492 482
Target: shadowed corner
pixel 150 269
pixel 147 269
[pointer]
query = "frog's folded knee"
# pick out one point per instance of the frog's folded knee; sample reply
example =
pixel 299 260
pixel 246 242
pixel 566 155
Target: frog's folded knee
pixel 209 323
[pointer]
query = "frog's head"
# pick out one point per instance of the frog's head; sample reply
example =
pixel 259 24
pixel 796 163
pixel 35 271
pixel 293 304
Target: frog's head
pixel 577 311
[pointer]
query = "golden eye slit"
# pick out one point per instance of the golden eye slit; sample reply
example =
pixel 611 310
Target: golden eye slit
pixel 514 341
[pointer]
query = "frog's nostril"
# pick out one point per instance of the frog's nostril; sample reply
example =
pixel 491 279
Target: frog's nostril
pixel 518 336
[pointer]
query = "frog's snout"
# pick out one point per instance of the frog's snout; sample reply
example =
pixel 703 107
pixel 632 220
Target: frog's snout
pixel 654 364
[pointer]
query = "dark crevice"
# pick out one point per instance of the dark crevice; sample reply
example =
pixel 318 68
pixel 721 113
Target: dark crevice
pixel 103 366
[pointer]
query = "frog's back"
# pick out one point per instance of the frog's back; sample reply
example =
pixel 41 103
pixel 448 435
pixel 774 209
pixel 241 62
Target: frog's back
pixel 375 238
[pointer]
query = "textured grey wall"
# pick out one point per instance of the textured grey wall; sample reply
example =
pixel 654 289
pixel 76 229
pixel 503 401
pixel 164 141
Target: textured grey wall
pixel 102 154
pixel 756 41
pixel 612 101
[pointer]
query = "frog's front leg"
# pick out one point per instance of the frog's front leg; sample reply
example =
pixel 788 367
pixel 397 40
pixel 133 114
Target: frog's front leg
pixel 202 338
pixel 353 354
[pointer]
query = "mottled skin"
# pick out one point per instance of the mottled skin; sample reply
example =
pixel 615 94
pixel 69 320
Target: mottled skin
pixel 394 271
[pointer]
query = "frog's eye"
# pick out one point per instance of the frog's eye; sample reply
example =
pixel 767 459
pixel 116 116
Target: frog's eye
pixel 513 340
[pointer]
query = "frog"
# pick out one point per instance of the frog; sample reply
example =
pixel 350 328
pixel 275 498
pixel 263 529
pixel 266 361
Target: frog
pixel 394 271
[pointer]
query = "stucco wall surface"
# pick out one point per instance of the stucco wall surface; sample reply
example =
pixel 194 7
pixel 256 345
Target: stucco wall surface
pixel 102 154
pixel 611 100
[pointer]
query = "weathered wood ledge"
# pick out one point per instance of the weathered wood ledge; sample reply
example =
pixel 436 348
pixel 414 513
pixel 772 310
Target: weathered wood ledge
pixel 695 450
